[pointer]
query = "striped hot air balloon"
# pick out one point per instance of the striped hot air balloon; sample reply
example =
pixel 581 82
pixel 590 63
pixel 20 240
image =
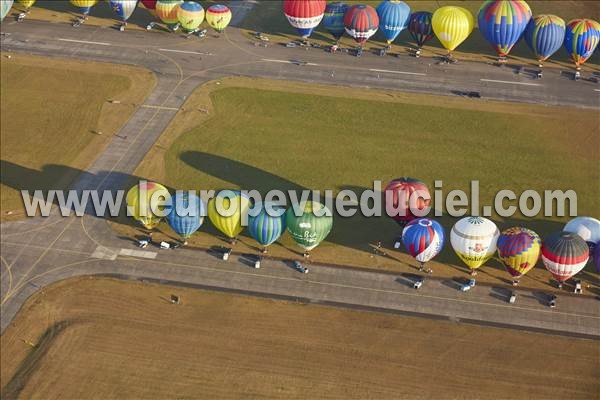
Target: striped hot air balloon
pixel 5 6
pixel 452 25
pixel 166 11
pixel 581 38
pixel 267 225
pixel 218 17
pixel 227 210
pixel 185 214
pixel 190 15
pixel 144 202
pixel 84 6
pixel 544 35
pixel 393 18
pixel 474 240
pixel 519 250
pixel 123 8
pixel 403 196
pixel 361 22
pixel 304 15
pixel 564 254
pixel 423 238
pixel 311 227
pixel 502 22
pixel 333 19
pixel 419 26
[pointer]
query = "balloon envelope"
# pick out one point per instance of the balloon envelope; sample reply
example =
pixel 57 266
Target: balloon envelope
pixel 310 228
pixel 519 250
pixel 333 19
pixel 218 17
pixel 190 15
pixel 233 206
pixel 27 3
pixel 166 11
pixel 304 15
pixel 419 26
pixel 185 213
pixel 84 5
pixel 142 199
pixel 393 18
pixel 474 240
pixel 423 238
pixel 452 25
pixel 597 256
pixel 586 227
pixel 266 228
pixel 150 5
pixel 361 22
pixel 544 35
pixel 581 39
pixel 399 194
pixel 123 8
pixel 5 8
pixel 564 254
pixel 502 22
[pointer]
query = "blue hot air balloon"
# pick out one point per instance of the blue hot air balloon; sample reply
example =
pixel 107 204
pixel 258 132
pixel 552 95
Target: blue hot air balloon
pixel 423 238
pixel 186 213
pixel 333 19
pixel 267 225
pixel 393 18
pixel 544 35
pixel 419 26
pixel 502 22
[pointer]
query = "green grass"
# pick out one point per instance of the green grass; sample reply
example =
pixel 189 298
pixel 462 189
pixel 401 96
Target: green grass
pixel 267 16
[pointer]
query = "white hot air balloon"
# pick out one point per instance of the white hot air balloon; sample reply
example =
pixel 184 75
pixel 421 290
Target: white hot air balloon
pixel 474 240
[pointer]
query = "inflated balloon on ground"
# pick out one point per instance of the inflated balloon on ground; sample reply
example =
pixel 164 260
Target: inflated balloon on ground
pixel 226 212
pixel 474 240
pixel 190 15
pixel 452 25
pixel 403 196
pixel 581 39
pixel 361 22
pixel 393 18
pixel 502 23
pixel 423 238
pixel 519 250
pixel 123 8
pixel 333 19
pixel 144 199
pixel 419 26
pixel 304 15
pixel 218 17
pixel 264 227
pixel 166 11
pixel 84 6
pixel 564 254
pixel 5 8
pixel 544 35
pixel 185 213
pixel 311 227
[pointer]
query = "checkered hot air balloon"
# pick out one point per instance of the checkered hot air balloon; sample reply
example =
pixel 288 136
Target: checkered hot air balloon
pixel 502 23
pixel 361 22
pixel 581 38
pixel 544 35
pixel 564 254
pixel 304 15
pixel 399 194
pixel 519 250
pixel 423 238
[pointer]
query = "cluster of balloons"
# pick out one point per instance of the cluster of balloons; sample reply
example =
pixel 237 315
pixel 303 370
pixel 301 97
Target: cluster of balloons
pixel 189 15
pixel 184 214
pixel 501 22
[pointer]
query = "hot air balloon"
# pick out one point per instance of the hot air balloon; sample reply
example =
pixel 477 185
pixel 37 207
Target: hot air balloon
pixel 399 194
pixel 84 7
pixel 304 15
pixel 310 228
pixel 564 254
pixel 581 38
pixel 144 199
pixel 452 25
pixel 123 9
pixel 424 239
pixel 519 250
pixel 544 35
pixel 218 17
pixel 150 5
pixel 474 241
pixel 166 11
pixel 597 256
pixel 502 22
pixel 333 19
pixel 361 22
pixel 264 227
pixel 419 26
pixel 190 15
pixel 185 214
pixel 393 18
pixel 5 6
pixel 228 219
pixel 586 227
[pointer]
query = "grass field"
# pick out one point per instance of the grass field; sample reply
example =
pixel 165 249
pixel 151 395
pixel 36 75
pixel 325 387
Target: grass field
pixel 267 16
pixel 263 135
pixel 99 338
pixel 52 110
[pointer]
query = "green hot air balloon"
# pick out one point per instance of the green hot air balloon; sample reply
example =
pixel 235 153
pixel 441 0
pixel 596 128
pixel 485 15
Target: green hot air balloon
pixel 312 227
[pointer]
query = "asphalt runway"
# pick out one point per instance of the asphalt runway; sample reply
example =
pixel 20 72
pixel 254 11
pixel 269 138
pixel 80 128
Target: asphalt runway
pixel 40 251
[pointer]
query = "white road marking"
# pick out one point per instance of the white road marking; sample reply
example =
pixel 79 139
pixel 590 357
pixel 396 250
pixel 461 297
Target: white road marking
pixel 187 52
pixel 596 90
pixel 85 42
pixel 288 62
pixel 511 82
pixel 104 253
pixel 397 72
pixel 160 107
pixel 138 253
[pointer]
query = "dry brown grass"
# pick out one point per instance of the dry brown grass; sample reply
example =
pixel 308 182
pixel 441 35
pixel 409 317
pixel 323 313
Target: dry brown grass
pixel 101 338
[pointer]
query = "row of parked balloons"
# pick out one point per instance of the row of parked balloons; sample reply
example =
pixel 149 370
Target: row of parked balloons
pixel 474 239
pixel 189 15
pixel 501 22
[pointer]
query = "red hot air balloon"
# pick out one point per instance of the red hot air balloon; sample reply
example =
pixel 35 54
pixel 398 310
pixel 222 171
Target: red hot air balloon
pixel 304 15
pixel 403 195
pixel 564 254
pixel 361 22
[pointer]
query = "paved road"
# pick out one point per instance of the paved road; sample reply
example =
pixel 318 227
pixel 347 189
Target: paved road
pixel 38 252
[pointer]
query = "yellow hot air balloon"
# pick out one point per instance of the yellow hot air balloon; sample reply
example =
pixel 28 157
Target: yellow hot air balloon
pixel 27 3
pixel 218 17
pixel 143 198
pixel 84 5
pixel 452 25
pixel 233 206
